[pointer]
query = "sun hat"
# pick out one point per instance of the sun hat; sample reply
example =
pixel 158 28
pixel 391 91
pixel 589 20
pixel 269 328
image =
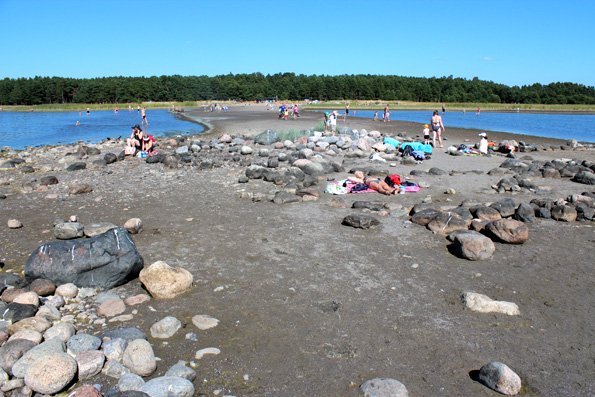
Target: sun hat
pixel 136 126
pixel 426 126
pixel 483 134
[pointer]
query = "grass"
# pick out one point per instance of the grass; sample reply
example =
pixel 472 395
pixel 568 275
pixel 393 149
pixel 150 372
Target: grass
pixel 471 107
pixel 76 107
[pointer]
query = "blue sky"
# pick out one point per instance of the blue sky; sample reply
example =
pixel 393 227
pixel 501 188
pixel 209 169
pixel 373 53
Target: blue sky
pixel 511 42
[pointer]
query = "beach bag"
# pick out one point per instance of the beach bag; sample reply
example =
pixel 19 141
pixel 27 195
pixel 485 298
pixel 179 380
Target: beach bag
pixel 393 180
pixel 336 188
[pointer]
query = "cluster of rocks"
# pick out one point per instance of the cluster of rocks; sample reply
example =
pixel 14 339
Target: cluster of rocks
pixel 65 328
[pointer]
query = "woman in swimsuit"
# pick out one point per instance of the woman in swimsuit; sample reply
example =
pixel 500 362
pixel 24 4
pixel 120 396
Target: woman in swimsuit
pixel 373 183
pixel 437 127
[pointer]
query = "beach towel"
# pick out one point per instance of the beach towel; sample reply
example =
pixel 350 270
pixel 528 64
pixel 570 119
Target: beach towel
pixel 418 146
pixel 392 142
pixel 351 185
pixel 336 187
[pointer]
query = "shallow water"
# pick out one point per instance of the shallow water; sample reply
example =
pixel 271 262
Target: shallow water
pixel 549 125
pixel 20 129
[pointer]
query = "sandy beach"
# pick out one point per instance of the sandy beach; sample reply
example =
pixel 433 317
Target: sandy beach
pixel 308 306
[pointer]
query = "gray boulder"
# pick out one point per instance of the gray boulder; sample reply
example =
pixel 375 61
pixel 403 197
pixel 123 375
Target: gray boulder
pixel 267 138
pixel 585 177
pixel 360 221
pixel 106 261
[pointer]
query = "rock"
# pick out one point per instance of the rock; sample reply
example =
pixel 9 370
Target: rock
pixel 97 228
pixel 486 213
pixel 168 386
pixel 383 387
pixel 282 197
pixel 425 216
pixel 182 150
pixel 79 188
pixel 484 304
pixel 164 281
pixel 255 171
pixel 14 224
pixel 27 298
pixel 139 357
pixel 585 177
pixel 113 349
pixel 15 312
pixel 267 137
pixel 49 312
pixel 509 231
pixel 204 322
pixel 181 371
pixel 62 330
pixel 68 230
pixel 564 213
pixel 50 373
pixel 111 307
pixel 48 180
pixel 28 334
pixel 448 222
pixel 114 369
pixel 245 150
pixel 12 351
pixel 82 342
pixel 77 166
pixel 360 221
pixel 137 299
pixel 499 377
pixel 206 351
pixel 110 158
pixel 133 225
pixel 473 245
pixel 165 328
pixel 106 261
pixel 42 287
pixel 505 207
pixel 38 324
pixel 372 206
pixel 85 391
pixel 524 213
pixel 48 348
pixel 127 333
pixel 89 363
pixel 437 171
pixel 130 381
pixel 68 290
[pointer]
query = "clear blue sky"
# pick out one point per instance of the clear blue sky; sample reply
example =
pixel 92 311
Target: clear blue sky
pixel 514 42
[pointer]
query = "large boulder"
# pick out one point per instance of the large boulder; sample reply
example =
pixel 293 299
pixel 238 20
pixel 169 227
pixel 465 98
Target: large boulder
pixel 105 261
pixel 472 245
pixel 588 178
pixel 267 138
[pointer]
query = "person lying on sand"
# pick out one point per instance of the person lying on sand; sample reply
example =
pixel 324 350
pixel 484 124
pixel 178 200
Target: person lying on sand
pixel 373 183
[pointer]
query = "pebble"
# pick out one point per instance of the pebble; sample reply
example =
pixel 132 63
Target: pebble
pixel 165 328
pixel 209 350
pixel 165 386
pixel 14 224
pixel 383 387
pixel 204 322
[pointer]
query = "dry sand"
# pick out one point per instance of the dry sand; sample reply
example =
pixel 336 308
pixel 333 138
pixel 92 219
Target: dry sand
pixel 309 307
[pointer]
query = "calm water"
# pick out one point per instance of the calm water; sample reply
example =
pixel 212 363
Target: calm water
pixel 551 125
pixel 20 129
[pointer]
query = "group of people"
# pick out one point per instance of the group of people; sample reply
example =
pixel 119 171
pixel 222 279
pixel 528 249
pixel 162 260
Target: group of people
pixel 139 143
pixel 437 128
pixel 289 110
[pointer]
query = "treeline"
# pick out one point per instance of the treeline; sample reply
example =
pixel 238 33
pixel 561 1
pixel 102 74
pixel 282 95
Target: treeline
pixel 48 90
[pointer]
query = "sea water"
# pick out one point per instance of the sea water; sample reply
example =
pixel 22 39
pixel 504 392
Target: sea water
pixel 550 125
pixel 20 129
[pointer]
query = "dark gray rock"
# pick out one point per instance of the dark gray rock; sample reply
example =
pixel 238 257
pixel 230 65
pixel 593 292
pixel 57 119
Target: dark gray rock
pixel 425 216
pixel 524 213
pixel 16 312
pixel 126 333
pixel 585 177
pixel 282 197
pixel 584 212
pixel 158 158
pixel 360 221
pixel 505 207
pixel 543 203
pixel 110 158
pixel 10 280
pixel 78 166
pixel 267 137
pixel 543 212
pixel 463 212
pixel 107 260
pixel 371 205
pixel 436 171
pixel 48 180
pixel 255 172
pixel 12 350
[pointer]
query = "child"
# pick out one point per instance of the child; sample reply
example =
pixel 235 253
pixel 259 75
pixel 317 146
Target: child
pixel 483 143
pixel 426 134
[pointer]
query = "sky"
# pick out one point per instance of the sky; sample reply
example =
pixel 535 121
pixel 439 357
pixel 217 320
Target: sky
pixel 512 42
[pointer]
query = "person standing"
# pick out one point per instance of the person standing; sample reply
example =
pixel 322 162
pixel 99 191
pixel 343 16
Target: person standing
pixel 386 116
pixel 346 113
pixel 143 113
pixel 437 128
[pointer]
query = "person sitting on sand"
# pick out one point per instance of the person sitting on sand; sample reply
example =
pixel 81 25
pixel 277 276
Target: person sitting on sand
pixel 483 143
pixel 135 142
pixel 373 183
pixel 148 144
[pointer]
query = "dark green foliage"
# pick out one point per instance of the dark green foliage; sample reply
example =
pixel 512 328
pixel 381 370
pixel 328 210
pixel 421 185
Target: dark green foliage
pixel 47 90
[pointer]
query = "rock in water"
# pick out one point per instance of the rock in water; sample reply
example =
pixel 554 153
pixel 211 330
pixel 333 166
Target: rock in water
pixel 106 261
pixel 383 387
pixel 500 377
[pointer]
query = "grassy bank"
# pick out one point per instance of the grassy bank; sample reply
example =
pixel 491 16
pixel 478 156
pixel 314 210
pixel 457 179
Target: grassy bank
pixel 470 107
pixel 77 107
